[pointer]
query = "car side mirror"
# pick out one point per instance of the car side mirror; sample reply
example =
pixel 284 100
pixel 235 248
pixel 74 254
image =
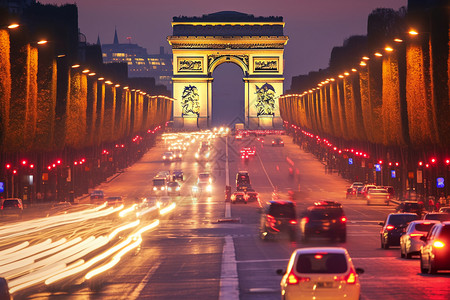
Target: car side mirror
pixel 381 223
pixel 423 238
pixel 359 271
pixel 281 272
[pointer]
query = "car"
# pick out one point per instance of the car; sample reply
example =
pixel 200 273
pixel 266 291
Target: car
pixel 12 207
pixel 96 196
pixel 204 178
pixel 393 228
pixel 320 273
pixel 278 217
pixel 159 185
pixel 355 189
pixel 439 216
pixel 378 196
pixel 390 190
pixel 177 154
pixel 324 218
pixel 168 156
pixel 163 174
pixel 247 152
pixel 410 207
pixel 242 179
pixel 445 209
pixel 366 188
pixel 239 197
pixel 114 200
pixel 435 254
pixel 174 187
pixel 252 195
pixel 410 242
pixel 277 142
pixel 178 175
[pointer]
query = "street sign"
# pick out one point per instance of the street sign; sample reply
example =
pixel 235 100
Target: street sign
pixel 350 161
pixel 378 167
pixel 440 182
pixel 419 176
pixel 392 173
pixel 411 175
pixel 2 187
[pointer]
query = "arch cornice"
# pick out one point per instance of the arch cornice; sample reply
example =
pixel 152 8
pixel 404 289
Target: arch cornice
pixel 215 60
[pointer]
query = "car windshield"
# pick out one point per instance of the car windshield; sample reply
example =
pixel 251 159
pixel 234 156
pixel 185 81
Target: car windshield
pixel 282 210
pixel 423 227
pixel 329 213
pixel 439 217
pixel 10 203
pixel 172 184
pixel 401 219
pixel 323 263
pixel 159 182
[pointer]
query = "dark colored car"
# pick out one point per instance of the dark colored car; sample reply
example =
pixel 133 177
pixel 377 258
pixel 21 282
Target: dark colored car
pixel 252 195
pixel 439 216
pixel 393 228
pixel 96 196
pixel 355 189
pixel 239 197
pixel 325 218
pixel 12 207
pixel 242 179
pixel 178 175
pixel 410 207
pixel 277 142
pixel 435 254
pixel 279 217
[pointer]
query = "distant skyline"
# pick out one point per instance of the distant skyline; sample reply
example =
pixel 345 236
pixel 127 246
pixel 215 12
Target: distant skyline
pixel 313 27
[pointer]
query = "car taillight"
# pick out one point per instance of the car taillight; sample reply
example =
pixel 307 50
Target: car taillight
pixel 387 197
pixel 343 219
pixel 415 234
pixel 294 279
pixel 438 244
pixel 390 227
pixel 368 196
pixel 20 206
pixel 305 220
pixel 293 222
pixel 351 277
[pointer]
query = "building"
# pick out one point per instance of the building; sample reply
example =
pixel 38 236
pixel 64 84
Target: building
pixel 140 63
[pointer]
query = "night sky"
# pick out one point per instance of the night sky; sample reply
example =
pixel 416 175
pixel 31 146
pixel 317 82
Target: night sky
pixel 313 27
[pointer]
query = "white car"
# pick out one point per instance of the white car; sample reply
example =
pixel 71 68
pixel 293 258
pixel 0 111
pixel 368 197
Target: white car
pixel 320 273
pixel 410 241
pixel 168 156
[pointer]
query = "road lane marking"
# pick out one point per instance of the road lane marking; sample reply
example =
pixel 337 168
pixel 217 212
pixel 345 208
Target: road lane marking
pixel 227 210
pixel 144 281
pixel 264 169
pixel 229 283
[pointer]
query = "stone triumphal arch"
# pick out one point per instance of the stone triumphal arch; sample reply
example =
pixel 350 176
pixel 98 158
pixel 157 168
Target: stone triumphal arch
pixel 200 44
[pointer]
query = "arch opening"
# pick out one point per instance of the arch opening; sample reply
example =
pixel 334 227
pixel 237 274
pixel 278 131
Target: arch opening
pixel 228 98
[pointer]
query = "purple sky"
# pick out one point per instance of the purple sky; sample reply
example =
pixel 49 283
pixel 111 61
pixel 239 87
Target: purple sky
pixel 313 27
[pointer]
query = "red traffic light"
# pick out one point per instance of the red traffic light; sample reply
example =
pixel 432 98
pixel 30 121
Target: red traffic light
pixel 433 160
pixel 8 166
pixel 447 161
pixel 380 162
pixel 420 163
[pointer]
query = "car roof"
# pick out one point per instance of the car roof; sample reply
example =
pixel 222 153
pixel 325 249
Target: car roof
pixel 425 221
pixel 280 202
pixel 312 250
pixel 403 214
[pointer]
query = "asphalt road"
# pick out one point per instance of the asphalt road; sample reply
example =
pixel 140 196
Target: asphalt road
pixel 194 255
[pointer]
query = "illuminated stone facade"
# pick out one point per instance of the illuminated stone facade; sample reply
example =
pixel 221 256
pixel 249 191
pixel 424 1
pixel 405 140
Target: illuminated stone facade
pixel 201 44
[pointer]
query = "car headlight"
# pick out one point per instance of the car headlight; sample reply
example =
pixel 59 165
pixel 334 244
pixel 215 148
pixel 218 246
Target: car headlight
pixel 164 157
pixel 154 188
pixel 209 188
pixel 196 155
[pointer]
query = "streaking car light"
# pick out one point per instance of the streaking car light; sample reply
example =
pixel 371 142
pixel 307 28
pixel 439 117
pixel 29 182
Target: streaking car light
pixel 127 211
pixel 122 228
pixel 167 209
